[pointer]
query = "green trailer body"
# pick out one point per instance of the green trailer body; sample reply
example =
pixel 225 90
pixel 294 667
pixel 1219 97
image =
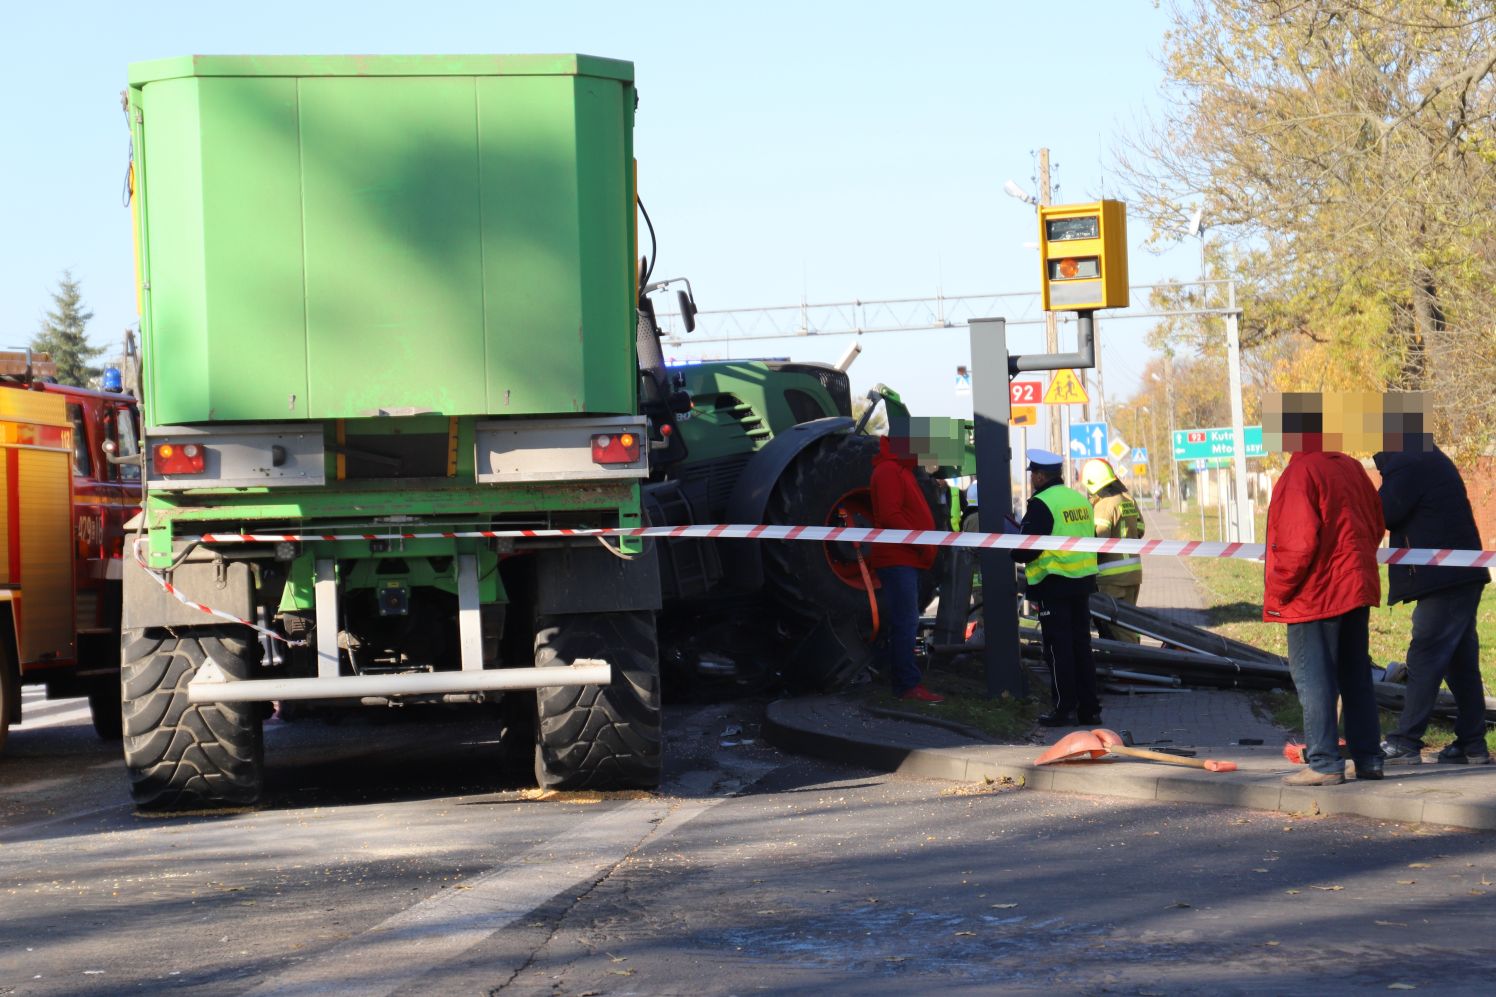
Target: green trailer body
pixel 387 294
pixel 318 235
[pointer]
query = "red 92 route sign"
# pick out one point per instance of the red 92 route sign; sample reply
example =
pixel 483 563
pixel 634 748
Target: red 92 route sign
pixel 1025 392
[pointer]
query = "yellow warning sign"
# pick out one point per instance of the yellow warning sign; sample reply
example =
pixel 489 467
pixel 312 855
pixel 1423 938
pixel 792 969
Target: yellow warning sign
pixel 1025 415
pixel 1065 389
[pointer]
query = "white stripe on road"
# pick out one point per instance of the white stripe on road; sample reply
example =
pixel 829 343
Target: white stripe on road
pixel 398 951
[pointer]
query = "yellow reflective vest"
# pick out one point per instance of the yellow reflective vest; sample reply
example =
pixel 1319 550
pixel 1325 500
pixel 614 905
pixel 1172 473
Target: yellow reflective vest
pixel 1072 518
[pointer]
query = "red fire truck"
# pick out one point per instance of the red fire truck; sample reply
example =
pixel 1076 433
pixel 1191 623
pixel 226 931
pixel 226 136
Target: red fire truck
pixel 63 508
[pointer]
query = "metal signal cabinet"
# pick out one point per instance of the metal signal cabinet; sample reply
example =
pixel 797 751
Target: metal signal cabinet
pixel 389 295
pixel 1083 255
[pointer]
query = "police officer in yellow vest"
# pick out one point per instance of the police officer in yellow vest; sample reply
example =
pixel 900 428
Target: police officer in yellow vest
pixel 1061 582
pixel 1117 575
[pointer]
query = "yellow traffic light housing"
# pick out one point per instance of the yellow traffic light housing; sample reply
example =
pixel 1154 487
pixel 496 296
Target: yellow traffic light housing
pixel 1083 248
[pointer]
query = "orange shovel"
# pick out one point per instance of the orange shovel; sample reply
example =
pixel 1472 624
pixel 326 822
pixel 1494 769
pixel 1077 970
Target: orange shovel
pixel 1114 744
pixel 1079 746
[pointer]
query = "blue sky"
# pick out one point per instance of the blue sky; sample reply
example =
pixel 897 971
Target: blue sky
pixel 786 150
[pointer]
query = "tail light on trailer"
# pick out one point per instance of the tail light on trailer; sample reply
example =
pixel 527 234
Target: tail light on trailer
pixel 615 448
pixel 172 458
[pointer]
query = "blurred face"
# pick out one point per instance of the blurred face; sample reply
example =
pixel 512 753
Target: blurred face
pixel 931 442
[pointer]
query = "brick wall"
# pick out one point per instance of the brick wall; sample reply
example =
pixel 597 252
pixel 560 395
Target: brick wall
pixel 1480 483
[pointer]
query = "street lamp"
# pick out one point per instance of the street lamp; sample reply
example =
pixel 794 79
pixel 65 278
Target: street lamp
pixel 1168 382
pixel 1013 190
pixel 1241 525
pixel 1154 455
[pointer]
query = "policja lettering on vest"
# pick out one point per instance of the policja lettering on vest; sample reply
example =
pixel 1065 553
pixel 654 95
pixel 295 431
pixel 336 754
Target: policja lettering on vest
pixel 1061 583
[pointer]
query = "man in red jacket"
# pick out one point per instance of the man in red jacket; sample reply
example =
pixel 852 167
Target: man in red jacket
pixel 1323 527
pixel 898 504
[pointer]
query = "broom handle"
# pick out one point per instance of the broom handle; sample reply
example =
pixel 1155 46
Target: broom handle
pixel 1160 756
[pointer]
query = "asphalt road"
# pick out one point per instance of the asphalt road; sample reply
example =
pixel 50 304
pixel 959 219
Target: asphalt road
pixel 391 858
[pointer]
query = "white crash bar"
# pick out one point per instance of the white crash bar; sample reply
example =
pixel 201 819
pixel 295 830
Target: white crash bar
pixel 212 686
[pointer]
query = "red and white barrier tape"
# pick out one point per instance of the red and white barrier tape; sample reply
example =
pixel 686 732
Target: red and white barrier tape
pixel 933 538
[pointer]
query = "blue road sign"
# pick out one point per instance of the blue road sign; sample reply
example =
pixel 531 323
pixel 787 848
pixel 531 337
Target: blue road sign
pixel 1140 455
pixel 1087 439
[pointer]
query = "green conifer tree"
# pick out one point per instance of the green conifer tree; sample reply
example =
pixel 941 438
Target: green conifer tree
pixel 64 335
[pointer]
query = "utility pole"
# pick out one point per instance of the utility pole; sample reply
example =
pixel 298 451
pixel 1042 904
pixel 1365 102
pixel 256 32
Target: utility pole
pixel 1051 327
pixel 1169 450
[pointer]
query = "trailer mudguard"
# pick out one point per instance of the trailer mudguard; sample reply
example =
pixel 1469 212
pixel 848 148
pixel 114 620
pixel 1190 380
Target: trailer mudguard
pixel 592 580
pixel 229 589
pixel 750 497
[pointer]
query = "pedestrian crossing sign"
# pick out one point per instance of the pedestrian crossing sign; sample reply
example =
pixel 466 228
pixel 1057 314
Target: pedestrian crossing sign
pixel 1065 389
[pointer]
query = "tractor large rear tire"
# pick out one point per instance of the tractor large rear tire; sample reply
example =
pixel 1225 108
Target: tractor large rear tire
pixel 182 756
pixel 807 583
pixel 599 737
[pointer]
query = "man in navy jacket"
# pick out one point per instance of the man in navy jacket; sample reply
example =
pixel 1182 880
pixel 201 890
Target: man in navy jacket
pixel 1425 505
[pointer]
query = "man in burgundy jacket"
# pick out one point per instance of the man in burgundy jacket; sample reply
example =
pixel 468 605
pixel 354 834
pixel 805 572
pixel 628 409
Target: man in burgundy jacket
pixel 898 504
pixel 1323 528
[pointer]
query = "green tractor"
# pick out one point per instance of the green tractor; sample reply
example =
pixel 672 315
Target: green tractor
pixel 773 442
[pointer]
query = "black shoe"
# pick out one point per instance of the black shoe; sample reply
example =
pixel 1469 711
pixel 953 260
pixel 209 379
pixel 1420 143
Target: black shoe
pixel 1372 769
pixel 1091 719
pixel 1054 719
pixel 1455 754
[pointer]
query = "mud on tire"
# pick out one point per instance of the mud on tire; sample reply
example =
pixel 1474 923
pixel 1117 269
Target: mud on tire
pixel 182 756
pixel 599 737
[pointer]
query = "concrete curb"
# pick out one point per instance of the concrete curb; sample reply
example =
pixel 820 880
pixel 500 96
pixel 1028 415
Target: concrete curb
pixel 1444 795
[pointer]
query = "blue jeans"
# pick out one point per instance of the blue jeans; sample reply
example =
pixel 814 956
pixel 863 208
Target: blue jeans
pixel 900 607
pixel 1444 648
pixel 1328 659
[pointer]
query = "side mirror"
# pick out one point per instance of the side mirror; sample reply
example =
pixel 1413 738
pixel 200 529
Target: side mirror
pixel 687 310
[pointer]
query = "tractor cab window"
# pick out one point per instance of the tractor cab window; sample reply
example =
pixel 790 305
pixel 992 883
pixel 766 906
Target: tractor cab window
pixel 82 465
pixel 127 442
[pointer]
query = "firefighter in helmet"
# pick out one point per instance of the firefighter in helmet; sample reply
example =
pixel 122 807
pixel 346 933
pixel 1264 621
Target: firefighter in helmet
pixel 1116 515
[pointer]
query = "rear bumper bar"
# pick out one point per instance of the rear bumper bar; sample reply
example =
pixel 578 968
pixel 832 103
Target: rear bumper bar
pixel 212 686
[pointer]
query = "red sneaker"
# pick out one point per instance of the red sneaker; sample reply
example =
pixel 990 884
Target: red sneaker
pixel 923 695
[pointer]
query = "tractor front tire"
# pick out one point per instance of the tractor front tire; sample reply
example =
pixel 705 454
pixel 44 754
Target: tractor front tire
pixel 599 737
pixel 808 582
pixel 182 756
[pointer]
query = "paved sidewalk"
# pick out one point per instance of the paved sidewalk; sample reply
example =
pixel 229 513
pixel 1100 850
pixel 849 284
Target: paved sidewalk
pixel 1212 721
pixel 836 728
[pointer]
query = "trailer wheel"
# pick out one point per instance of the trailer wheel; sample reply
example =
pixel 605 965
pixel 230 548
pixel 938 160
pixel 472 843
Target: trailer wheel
pixel 10 692
pixel 105 708
pixel 184 756
pixel 599 737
